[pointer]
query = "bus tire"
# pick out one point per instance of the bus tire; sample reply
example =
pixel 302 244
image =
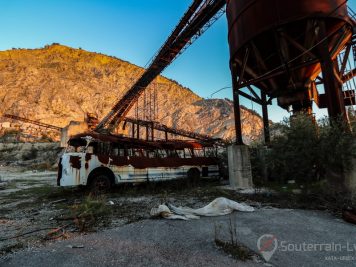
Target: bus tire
pixel 193 174
pixel 100 184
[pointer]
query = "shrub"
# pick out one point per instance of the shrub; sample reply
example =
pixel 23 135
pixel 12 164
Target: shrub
pixel 307 152
pixel 92 212
pixel 31 154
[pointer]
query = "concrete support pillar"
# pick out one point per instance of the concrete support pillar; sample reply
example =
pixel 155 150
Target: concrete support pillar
pixel 240 175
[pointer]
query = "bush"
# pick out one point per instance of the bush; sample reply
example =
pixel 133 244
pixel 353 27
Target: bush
pixel 336 146
pixel 92 212
pixel 308 152
pixel 10 134
pixel 31 154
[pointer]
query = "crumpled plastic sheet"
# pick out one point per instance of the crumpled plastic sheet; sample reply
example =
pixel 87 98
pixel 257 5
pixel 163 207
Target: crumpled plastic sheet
pixel 219 206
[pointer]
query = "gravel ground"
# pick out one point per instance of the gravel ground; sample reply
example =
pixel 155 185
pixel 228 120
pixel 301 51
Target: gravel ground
pixel 191 243
pixel 29 201
pixel 145 243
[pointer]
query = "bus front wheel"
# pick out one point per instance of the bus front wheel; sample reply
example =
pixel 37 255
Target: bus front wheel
pixel 193 174
pixel 100 184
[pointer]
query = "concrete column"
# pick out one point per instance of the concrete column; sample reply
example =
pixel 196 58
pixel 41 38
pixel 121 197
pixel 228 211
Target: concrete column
pixel 240 175
pixel 64 137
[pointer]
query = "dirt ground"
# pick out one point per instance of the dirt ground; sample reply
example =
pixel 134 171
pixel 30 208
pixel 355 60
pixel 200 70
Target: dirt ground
pixel 32 206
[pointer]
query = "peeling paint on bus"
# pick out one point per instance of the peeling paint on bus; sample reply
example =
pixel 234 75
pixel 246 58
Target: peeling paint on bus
pixel 75 162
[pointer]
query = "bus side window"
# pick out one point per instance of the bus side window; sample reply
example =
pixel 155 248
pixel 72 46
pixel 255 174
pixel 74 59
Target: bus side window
pixel 151 154
pixel 198 153
pixel 115 152
pixel 138 152
pixel 121 152
pixel 187 153
pixel 180 153
pixel 162 153
pixel 129 152
pixel 104 148
pixel 172 153
pixel 210 152
pixel 93 147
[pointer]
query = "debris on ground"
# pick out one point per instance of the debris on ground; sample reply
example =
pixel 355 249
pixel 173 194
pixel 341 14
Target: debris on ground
pixel 58 201
pixel 75 246
pixel 219 206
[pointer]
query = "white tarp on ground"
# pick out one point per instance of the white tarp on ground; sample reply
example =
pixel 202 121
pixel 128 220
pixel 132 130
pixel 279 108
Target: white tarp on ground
pixel 219 206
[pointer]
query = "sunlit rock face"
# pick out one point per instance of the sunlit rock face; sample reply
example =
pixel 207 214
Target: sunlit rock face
pixel 58 84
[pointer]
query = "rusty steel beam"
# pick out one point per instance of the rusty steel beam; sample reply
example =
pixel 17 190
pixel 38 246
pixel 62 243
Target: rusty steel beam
pixel 241 93
pixel 38 123
pixel 237 110
pixel 348 76
pixel 163 128
pixel 345 59
pixel 247 52
pixel 266 131
pixel 253 92
pixel 297 45
pixel 261 63
pixel 275 73
pixel 333 88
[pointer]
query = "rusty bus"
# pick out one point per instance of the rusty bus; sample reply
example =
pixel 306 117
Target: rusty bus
pixel 101 161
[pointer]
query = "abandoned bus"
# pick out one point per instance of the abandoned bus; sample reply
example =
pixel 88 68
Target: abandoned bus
pixel 101 161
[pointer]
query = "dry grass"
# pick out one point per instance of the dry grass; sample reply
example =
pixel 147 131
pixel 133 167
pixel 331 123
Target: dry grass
pixel 232 246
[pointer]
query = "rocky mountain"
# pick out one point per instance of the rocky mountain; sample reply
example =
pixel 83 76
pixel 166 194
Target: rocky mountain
pixel 57 84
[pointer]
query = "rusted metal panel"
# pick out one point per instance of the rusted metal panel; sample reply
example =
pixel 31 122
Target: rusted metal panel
pixel 78 140
pixel 248 18
pixel 75 162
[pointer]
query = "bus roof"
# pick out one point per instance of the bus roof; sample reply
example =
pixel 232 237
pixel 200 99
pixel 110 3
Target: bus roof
pixel 80 140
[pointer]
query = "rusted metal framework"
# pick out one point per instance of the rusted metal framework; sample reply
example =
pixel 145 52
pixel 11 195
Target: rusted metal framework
pixel 153 125
pixel 199 17
pixel 41 124
pixel 149 126
pixel 281 47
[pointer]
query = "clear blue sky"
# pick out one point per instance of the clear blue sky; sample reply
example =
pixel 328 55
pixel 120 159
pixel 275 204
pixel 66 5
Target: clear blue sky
pixel 132 30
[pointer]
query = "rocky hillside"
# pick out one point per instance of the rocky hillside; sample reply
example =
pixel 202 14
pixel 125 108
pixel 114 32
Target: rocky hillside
pixel 57 84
